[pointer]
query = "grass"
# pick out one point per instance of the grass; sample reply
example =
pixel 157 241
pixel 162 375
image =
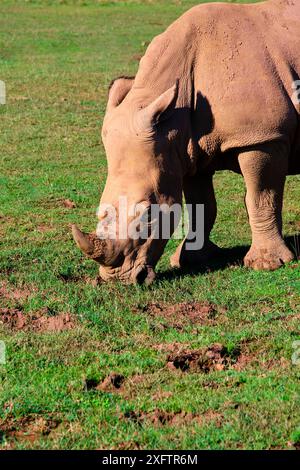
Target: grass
pixel 57 59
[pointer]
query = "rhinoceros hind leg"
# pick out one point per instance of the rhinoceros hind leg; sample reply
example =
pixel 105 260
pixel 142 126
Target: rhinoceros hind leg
pixel 264 170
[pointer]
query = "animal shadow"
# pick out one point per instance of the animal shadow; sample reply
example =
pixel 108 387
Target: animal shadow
pixel 226 257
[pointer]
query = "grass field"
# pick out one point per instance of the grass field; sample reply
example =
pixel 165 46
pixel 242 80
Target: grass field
pixel 64 333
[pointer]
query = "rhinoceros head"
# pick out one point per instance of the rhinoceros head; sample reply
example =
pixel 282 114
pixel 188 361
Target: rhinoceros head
pixel 139 137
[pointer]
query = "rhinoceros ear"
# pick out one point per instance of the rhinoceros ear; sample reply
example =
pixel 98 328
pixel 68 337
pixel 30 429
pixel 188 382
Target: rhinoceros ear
pixel 157 111
pixel 118 89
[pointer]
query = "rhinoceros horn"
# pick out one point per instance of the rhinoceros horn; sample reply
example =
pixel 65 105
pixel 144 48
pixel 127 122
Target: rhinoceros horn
pixel 82 241
pixel 89 244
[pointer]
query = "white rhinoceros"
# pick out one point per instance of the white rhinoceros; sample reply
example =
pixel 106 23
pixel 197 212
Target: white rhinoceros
pixel 217 90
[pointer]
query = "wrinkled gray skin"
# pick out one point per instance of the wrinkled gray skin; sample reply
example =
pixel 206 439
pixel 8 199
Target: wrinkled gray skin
pixel 213 92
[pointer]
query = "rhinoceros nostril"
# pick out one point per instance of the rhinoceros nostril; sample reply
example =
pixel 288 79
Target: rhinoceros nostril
pixel 144 274
pixel 141 275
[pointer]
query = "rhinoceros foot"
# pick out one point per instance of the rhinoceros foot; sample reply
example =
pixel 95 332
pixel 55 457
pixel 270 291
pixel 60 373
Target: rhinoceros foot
pixel 268 258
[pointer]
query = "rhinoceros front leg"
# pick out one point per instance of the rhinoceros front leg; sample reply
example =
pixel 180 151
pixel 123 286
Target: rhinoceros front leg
pixel 198 190
pixel 264 171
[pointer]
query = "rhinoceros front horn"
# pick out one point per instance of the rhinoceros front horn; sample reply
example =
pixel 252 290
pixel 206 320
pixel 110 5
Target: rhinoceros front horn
pixel 83 241
pixel 91 245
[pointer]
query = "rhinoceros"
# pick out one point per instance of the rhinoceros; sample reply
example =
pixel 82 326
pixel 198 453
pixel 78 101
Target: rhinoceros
pixel 218 90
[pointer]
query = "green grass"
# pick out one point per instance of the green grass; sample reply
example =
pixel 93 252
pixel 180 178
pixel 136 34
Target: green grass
pixel 57 59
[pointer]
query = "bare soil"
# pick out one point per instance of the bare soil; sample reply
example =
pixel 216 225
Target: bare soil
pixel 28 428
pixel 112 383
pixel 214 357
pixel 15 319
pixel 161 418
pixel 181 314
pixel 18 294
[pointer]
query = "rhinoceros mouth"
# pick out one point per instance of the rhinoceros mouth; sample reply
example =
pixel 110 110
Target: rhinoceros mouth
pixel 129 268
pixel 141 274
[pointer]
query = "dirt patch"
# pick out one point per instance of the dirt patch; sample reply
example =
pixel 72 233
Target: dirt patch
pixel 161 418
pixel 283 363
pixel 130 387
pixel 51 202
pixel 287 318
pixel 170 347
pixel 93 281
pixel 137 379
pixel 294 445
pixel 69 277
pixel 211 384
pixel 15 319
pixel 13 293
pixel 28 428
pixel 127 445
pixel 161 395
pixel 184 313
pixel 68 204
pixel 244 361
pixel 214 357
pixel 136 57
pixel 253 355
pixel 218 357
pixel 112 383
pixel 90 384
pixel 43 228
pixel 60 322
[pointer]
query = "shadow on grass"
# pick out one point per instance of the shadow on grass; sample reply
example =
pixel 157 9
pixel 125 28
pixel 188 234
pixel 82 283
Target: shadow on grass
pixel 227 257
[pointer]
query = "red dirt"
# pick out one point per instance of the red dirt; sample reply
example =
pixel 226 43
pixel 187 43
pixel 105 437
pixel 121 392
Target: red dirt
pixel 96 281
pixel 170 347
pixel 244 360
pixel 68 204
pixel 127 445
pixel 43 228
pixel 15 319
pixel 161 395
pixel 59 322
pixel 137 379
pixel 28 428
pixel 9 293
pixel 161 418
pixel 215 357
pixel 111 383
pixel 184 313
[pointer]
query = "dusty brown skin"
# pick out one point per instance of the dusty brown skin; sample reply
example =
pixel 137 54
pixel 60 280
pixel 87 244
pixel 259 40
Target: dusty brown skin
pixel 230 108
